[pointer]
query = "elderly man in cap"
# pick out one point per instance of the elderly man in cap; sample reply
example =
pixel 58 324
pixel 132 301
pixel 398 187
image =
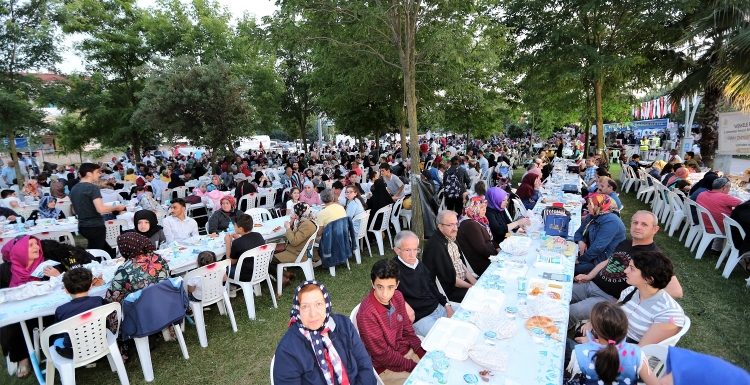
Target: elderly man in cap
pixel 673 157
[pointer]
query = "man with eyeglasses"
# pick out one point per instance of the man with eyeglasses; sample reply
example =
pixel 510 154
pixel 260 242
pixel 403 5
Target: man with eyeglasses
pixel 424 303
pixel 446 261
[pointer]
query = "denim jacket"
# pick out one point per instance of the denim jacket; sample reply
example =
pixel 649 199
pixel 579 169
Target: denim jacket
pixel 337 242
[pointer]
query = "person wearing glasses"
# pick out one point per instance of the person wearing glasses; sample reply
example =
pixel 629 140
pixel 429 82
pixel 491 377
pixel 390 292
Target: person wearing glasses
pixel 446 261
pixel 424 302
pixel 355 205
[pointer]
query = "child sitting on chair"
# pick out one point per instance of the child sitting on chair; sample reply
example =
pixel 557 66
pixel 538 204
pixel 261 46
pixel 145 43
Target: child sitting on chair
pixel 78 282
pixel 195 293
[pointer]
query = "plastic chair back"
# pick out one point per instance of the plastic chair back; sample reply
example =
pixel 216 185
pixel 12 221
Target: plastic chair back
pixel 397 208
pixel 59 236
pixel 672 341
pixel 113 230
pixel 212 280
pixel 353 316
pixel 659 352
pixel 261 259
pixel 268 197
pixel 730 224
pixel 259 215
pixel 308 244
pixel 65 207
pixel 384 223
pixel 103 255
pixel 520 208
pixel 702 215
pixel 247 201
pixel 87 332
pixel 362 217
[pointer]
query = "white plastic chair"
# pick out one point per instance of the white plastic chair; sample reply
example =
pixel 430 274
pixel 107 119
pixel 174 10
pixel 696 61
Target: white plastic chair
pixel 273 359
pixel 644 190
pixel 247 201
pixel 676 212
pixel 361 234
pixel 672 341
pixel 520 208
pixel 695 232
pixel 659 352
pixel 395 213
pixel 214 292
pixel 454 305
pixel 729 249
pixel 378 233
pixel 261 256
pixel 91 341
pixel 269 198
pixel 160 215
pixel 65 207
pixel 707 237
pixel 165 196
pixel 306 266
pixel 99 253
pixel 58 236
pixel 259 215
pixel 114 229
pixel 179 192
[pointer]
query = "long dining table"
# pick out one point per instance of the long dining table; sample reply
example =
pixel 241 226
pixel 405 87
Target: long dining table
pixel 529 360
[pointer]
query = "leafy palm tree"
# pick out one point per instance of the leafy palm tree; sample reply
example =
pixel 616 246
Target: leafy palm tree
pixel 719 34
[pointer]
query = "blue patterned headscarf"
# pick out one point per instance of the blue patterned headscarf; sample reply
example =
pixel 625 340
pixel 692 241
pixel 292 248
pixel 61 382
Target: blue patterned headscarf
pixel 319 338
pixel 45 211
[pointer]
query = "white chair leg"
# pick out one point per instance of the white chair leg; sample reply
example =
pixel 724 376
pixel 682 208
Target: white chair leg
pixel 230 311
pixel 68 374
pixel 114 355
pixel 279 275
pixel 256 290
pixel 200 323
pixel 379 239
pixel 685 229
pixel 368 246
pixel 270 290
pixel 181 340
pixel 222 308
pixel 698 238
pixel 308 271
pixel 249 301
pixel 332 270
pixel 732 261
pixel 144 355
pixel 50 377
pixel 705 242
pixel 358 256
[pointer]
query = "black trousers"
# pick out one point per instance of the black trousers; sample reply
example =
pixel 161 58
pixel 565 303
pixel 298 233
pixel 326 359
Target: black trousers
pixel 455 204
pixel 97 237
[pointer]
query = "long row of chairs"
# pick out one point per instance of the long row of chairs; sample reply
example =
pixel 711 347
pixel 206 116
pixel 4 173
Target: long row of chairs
pixel 676 211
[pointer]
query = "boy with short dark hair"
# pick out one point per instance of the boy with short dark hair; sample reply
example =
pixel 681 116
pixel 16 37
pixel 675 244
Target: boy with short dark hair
pixel 78 281
pixel 242 240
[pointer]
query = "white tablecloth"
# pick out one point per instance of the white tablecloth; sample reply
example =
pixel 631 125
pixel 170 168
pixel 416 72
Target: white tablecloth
pixel 69 224
pixel 528 362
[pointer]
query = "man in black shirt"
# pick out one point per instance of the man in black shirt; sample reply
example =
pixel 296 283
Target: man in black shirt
pixel 242 240
pixel 608 278
pixel 424 303
pixel 87 203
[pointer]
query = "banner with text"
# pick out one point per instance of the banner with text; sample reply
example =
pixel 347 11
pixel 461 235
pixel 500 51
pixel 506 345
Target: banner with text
pixel 734 133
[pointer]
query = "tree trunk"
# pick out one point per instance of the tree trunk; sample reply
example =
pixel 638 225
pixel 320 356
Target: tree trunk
pixel 402 132
pixel 411 113
pixel 137 146
pixel 468 140
pixel 14 156
pixel 599 117
pixel 587 127
pixel 709 121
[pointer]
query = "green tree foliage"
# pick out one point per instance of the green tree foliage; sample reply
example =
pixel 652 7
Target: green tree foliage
pixel 719 32
pixel 591 43
pixel 28 42
pixel 116 53
pixel 205 103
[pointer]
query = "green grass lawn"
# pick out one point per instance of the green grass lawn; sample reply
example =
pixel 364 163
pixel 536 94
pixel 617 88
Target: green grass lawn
pixel 717 307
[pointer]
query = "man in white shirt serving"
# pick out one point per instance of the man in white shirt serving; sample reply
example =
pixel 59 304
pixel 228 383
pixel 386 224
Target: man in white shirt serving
pixel 179 226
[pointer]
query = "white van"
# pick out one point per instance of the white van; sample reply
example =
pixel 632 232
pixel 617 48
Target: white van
pixel 254 142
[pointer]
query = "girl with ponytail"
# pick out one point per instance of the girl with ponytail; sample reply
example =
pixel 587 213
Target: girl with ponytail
pixel 606 357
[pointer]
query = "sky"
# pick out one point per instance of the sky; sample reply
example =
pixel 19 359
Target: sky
pixel 71 62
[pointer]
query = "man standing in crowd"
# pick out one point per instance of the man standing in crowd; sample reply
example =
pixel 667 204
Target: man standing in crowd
pixel 608 278
pixel 385 328
pixel 424 302
pixel 86 198
pixel 179 226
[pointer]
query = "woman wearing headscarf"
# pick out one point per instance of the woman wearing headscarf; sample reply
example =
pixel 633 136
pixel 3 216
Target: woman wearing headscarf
pixel 528 190
pixel 47 210
pixel 320 347
pixel 142 267
pixel 261 181
pixel 175 181
pixel 21 256
pixel 379 198
pixel 217 184
pixel 599 234
pixel 666 172
pixel 475 237
pixel 299 229
pixel 147 225
pixel 219 220
pixel 57 190
pixel 656 169
pixel 679 174
pixel 498 217
pixel 309 194
pixel 704 184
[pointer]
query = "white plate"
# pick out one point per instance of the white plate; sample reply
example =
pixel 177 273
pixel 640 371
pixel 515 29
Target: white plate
pixel 451 336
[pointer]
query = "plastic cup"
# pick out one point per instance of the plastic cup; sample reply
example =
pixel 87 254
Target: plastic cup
pixel 522 298
pixel 441 367
pixel 501 261
pixel 500 284
pixel 511 312
pixel 538 335
pixel 521 283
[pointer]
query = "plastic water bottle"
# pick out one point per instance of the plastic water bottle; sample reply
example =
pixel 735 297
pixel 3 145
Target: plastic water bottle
pixel 19 225
pixel 230 229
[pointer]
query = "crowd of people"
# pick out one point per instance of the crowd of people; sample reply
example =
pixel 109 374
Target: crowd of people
pixel 617 279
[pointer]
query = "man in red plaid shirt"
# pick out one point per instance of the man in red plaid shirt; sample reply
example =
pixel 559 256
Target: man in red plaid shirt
pixel 385 328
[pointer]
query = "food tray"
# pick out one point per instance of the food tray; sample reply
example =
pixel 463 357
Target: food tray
pixel 547 260
pixel 478 298
pixel 451 336
pixel 516 245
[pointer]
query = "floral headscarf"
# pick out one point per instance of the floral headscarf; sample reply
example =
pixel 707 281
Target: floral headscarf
pixel 45 211
pixel 304 213
pixel 473 210
pixel 604 203
pixel 231 201
pixel 328 356
pixel 16 252
pixel 132 245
